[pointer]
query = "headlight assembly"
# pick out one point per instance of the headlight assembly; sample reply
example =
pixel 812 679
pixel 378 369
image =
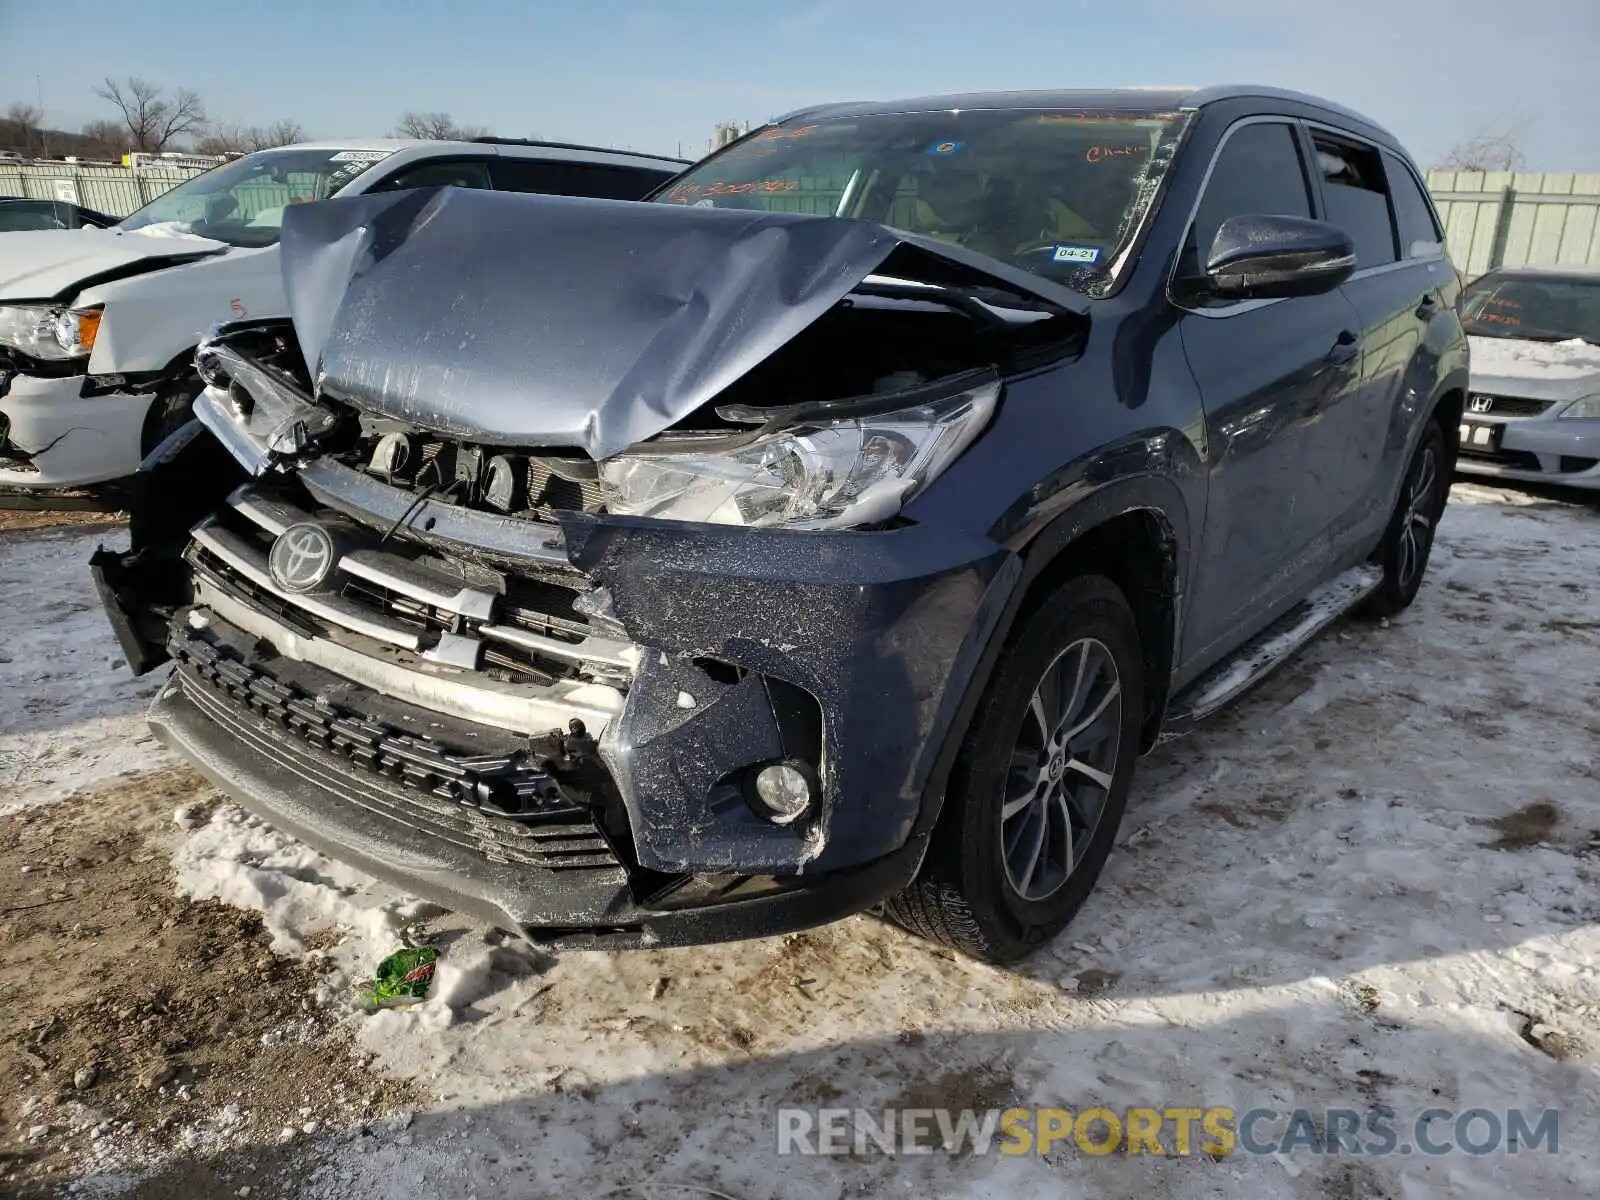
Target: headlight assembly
pixel 815 474
pixel 48 332
pixel 1586 409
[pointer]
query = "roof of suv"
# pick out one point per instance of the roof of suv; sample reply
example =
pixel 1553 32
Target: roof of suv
pixel 1111 100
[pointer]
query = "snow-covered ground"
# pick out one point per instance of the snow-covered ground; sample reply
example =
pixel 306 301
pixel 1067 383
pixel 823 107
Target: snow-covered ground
pixel 1376 880
pixel 70 714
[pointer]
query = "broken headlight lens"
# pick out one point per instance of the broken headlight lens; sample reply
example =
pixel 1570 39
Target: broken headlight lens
pixel 49 332
pixel 825 475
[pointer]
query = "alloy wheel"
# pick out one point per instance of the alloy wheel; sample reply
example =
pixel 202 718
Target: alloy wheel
pixel 1416 529
pixel 1061 769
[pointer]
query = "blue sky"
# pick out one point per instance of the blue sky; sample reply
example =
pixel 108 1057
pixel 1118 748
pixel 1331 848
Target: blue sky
pixel 657 76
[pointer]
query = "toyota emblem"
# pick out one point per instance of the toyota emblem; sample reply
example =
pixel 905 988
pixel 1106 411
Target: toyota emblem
pixel 301 558
pixel 1482 404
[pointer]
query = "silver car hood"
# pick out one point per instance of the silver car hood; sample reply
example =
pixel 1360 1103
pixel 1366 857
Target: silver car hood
pixel 523 320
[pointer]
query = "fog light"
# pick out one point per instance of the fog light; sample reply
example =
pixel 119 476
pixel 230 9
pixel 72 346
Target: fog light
pixel 786 792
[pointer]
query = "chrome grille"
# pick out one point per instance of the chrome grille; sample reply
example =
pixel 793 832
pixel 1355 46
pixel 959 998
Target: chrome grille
pixel 473 621
pixel 1488 404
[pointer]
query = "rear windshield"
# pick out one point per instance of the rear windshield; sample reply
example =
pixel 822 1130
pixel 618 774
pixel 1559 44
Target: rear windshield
pixel 1061 193
pixel 1541 310
pixel 242 202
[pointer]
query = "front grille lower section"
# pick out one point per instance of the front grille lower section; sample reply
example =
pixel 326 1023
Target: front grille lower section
pixel 506 807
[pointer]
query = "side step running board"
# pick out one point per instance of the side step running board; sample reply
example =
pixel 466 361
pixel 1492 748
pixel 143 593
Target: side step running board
pixel 1269 650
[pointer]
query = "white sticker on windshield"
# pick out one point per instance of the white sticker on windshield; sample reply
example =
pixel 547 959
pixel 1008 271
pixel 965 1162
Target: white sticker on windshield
pixel 360 156
pixel 1077 254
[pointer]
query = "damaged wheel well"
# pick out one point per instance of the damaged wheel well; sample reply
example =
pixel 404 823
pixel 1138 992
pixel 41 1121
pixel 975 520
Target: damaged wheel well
pixel 1137 551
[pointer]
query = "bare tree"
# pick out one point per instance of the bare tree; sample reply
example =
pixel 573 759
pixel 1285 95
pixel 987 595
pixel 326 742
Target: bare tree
pixel 222 139
pixel 436 127
pixel 105 139
pixel 282 133
pixel 152 119
pixel 1500 151
pixel 232 139
pixel 26 118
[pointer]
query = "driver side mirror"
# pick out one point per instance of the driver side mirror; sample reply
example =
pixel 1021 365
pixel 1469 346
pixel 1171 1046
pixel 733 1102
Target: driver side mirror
pixel 1263 257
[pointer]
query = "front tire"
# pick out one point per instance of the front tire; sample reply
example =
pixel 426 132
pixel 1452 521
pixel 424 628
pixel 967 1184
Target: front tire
pixel 169 411
pixel 1408 542
pixel 1039 789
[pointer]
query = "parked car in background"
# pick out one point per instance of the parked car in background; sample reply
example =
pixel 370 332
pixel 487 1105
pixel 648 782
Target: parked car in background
pixel 836 529
pixel 17 215
pixel 98 328
pixel 1533 413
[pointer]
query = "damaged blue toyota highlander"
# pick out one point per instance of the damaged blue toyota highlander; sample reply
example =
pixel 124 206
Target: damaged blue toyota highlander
pixel 832 532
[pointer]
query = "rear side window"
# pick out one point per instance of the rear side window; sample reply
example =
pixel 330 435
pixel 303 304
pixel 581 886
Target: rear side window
pixel 1357 198
pixel 467 173
pixel 1258 172
pixel 599 181
pixel 1420 235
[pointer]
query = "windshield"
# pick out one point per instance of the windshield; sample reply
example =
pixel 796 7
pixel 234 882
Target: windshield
pixel 1059 193
pixel 242 202
pixel 1541 310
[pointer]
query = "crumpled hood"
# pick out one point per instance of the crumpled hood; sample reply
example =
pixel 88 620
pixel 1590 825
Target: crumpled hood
pixel 46 264
pixel 524 320
pixel 1551 371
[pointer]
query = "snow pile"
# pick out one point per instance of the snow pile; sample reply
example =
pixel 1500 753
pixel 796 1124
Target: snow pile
pixel 71 714
pixel 1571 359
pixel 304 899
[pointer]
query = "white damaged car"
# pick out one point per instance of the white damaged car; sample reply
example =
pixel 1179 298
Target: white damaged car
pixel 98 327
pixel 1533 410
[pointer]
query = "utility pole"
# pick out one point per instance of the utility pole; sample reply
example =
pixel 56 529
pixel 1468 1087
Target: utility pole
pixel 44 130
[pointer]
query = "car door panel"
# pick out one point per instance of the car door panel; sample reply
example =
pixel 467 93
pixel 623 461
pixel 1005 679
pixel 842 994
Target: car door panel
pixel 1271 467
pixel 1272 376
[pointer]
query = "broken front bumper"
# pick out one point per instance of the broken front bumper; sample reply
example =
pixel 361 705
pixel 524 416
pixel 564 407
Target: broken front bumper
pixel 56 437
pixel 856 652
pixel 587 900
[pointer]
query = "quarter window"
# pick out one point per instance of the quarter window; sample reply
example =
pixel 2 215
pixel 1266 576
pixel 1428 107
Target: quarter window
pixel 1258 172
pixel 1357 198
pixel 1420 235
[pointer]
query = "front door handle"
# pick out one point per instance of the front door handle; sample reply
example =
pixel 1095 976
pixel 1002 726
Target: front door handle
pixel 1344 348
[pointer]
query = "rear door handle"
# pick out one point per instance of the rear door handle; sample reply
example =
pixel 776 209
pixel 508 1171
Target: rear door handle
pixel 1344 349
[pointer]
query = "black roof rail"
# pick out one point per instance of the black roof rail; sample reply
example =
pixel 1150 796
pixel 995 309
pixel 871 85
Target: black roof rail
pixel 507 141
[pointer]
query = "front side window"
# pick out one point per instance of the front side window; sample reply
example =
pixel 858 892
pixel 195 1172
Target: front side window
pixel 1258 172
pixel 1061 194
pixel 242 202
pixel 458 172
pixel 1541 310
pixel 568 177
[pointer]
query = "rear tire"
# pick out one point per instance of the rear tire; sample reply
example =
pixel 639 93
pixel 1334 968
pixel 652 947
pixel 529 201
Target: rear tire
pixel 1408 542
pixel 1038 791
